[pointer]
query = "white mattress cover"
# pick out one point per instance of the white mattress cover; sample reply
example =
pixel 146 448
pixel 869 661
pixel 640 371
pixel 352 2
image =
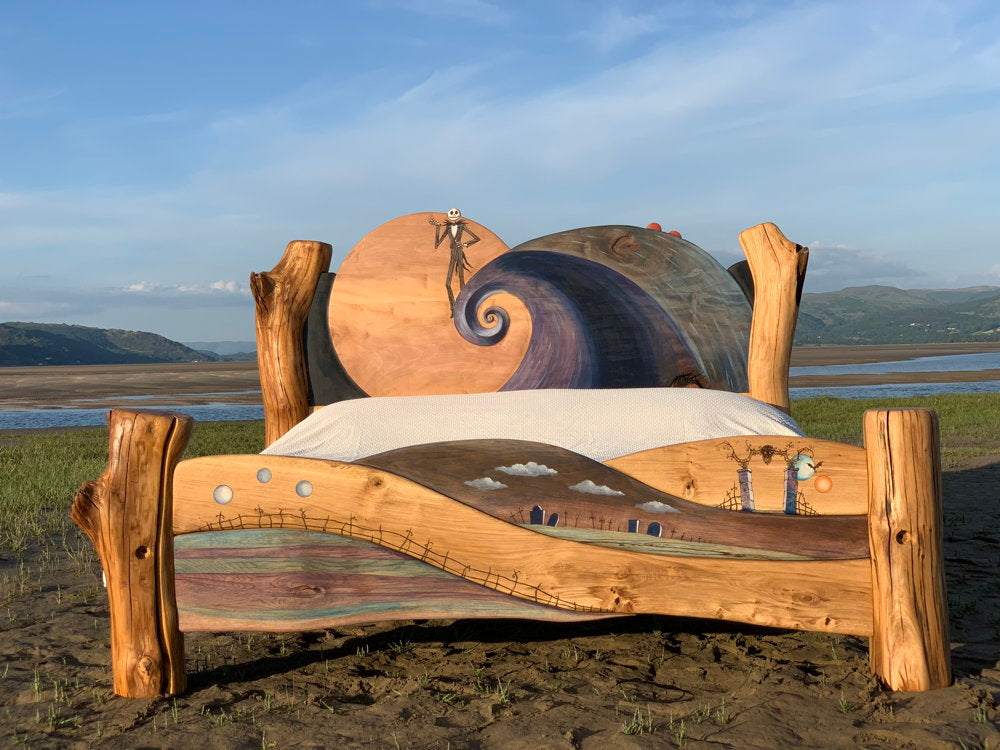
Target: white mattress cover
pixel 601 424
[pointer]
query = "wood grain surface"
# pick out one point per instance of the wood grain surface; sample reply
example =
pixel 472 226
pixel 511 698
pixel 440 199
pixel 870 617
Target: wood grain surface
pixel 280 580
pixel 390 317
pixel 704 472
pixel 910 647
pixel 778 266
pixel 380 507
pixel 282 297
pixel 127 515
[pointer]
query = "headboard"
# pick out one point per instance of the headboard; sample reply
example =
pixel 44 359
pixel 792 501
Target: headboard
pixel 434 303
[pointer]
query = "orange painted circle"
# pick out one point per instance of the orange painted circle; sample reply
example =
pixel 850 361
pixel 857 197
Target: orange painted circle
pixel 823 483
pixel 390 316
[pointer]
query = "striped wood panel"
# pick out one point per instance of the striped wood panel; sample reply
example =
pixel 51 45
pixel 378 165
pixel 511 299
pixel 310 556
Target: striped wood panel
pixel 289 580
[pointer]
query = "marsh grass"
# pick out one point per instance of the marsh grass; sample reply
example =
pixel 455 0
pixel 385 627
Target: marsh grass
pixel 40 473
pixel 969 422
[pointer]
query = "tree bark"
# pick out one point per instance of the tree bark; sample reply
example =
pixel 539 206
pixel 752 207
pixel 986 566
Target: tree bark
pixel 128 514
pixel 910 642
pixel 282 296
pixel 778 267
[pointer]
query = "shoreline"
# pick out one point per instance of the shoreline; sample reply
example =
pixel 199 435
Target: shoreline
pixel 202 383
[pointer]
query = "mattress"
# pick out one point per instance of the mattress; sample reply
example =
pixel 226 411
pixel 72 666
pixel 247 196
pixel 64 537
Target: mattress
pixel 600 424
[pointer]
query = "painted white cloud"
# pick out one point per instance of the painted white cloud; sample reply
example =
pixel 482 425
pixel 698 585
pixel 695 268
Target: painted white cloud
pixel 590 488
pixel 530 469
pixel 654 506
pixel 485 483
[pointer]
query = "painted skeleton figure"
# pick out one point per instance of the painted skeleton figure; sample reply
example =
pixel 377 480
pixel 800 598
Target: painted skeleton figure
pixel 457 229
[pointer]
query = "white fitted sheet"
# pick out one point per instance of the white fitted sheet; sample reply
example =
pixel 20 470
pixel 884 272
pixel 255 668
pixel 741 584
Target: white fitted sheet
pixel 601 424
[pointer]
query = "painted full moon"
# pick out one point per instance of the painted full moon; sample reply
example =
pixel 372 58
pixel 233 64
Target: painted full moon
pixel 390 317
pixel 823 483
pixel 804 465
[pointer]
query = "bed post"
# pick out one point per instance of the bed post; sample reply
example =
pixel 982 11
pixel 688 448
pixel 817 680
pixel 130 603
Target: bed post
pixel 778 267
pixel 282 296
pixel 128 514
pixel 910 641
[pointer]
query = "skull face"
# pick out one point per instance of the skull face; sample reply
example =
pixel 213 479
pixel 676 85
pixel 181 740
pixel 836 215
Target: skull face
pixel 454 215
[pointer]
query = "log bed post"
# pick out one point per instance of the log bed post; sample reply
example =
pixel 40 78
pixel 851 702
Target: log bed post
pixel 910 642
pixel 778 267
pixel 128 514
pixel 282 296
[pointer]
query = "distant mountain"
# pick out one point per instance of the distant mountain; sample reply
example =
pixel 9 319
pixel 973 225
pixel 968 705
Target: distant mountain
pixel 887 315
pixel 227 351
pixel 225 348
pixel 60 344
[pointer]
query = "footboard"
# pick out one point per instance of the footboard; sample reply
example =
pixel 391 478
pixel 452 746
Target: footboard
pixel 440 558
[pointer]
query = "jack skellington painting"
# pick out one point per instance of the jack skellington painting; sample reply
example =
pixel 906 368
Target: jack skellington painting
pixel 457 230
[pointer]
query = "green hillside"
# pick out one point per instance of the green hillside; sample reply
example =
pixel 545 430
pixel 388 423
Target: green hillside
pixel 59 344
pixel 886 315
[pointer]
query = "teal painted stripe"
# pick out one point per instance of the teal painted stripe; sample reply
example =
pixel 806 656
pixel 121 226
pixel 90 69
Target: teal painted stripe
pixel 659 546
pixel 248 565
pixel 260 538
pixel 454 608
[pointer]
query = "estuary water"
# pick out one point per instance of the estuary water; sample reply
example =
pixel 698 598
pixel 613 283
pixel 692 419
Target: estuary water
pixel 83 416
pixel 30 419
pixel 947 363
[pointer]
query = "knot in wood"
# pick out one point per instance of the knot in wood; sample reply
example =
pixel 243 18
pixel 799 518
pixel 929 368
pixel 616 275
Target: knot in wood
pixel 903 537
pixel 146 666
pixel 142 552
pixel 623 246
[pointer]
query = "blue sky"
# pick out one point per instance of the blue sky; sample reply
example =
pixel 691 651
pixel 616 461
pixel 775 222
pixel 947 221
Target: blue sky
pixel 153 154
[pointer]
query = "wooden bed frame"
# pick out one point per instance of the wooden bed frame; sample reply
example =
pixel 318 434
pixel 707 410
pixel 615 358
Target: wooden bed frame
pixel 314 543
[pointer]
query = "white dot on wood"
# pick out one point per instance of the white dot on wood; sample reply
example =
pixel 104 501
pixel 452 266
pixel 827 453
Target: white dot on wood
pixel 223 494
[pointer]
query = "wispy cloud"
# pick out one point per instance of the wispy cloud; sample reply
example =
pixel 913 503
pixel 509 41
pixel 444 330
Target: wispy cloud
pixel 614 28
pixel 841 120
pixel 477 12
pixel 215 288
pixel 835 267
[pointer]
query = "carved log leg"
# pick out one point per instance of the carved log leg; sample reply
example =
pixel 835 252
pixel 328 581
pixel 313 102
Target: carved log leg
pixel 128 514
pixel 910 642
pixel 778 267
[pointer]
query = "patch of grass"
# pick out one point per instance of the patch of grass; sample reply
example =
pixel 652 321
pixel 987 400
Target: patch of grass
pixel 639 723
pixel 42 472
pixel 967 420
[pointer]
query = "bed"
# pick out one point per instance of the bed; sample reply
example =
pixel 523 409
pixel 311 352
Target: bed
pixel 593 424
